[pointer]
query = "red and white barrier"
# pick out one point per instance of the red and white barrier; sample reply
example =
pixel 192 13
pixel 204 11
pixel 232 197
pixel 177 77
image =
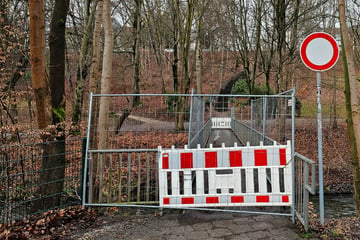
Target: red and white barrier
pixel 227 176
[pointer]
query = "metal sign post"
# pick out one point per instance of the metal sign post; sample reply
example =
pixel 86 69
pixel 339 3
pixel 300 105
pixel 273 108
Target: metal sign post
pixel 319 52
pixel 320 154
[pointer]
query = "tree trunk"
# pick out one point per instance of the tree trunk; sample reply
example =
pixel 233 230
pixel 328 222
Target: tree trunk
pixel 53 163
pixel 199 20
pixel 136 53
pixel 95 62
pixel 157 43
pixel 257 43
pixel 52 175
pixel 106 78
pixel 106 74
pixel 38 72
pixel 57 60
pixel 95 75
pixel 134 100
pixel 176 16
pixel 280 26
pixel 185 76
pixel 175 59
pixel 38 62
pixel 83 67
pixel 352 102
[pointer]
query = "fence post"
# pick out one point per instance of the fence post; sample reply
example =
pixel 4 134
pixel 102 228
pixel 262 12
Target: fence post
pixel 264 118
pixel 191 113
pixel 83 154
pixel 251 114
pixel 293 109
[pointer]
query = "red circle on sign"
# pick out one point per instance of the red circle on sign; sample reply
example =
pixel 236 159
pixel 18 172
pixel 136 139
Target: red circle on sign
pixel 308 62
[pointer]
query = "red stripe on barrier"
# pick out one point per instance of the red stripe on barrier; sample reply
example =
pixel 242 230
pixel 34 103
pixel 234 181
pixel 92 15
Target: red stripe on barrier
pixel 212 199
pixel 186 160
pixel 165 161
pixel 166 200
pixel 263 199
pixel 188 200
pixel 285 198
pixel 260 157
pixel 282 153
pixel 235 158
pixel 237 199
pixel 210 159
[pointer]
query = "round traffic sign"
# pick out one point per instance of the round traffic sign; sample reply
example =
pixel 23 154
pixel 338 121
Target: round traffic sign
pixel 319 51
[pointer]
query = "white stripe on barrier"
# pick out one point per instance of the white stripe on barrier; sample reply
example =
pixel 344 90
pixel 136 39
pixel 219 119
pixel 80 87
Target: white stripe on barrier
pixel 234 176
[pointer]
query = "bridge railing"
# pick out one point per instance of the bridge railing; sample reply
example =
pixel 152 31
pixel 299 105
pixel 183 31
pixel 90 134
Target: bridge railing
pixel 121 177
pixel 247 134
pixel 305 174
pixel 201 137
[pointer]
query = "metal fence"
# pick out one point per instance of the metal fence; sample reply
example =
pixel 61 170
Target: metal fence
pixel 134 125
pixel 138 121
pixel 122 146
pixel 272 116
pixel 305 173
pixel 24 176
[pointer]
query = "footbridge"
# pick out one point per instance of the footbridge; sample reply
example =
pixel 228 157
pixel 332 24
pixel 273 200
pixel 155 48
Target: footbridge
pixel 207 152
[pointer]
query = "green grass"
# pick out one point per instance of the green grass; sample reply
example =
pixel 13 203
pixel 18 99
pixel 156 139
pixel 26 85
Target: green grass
pixel 309 110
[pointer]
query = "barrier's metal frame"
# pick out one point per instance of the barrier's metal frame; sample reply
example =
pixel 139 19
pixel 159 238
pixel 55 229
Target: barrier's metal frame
pixel 289 95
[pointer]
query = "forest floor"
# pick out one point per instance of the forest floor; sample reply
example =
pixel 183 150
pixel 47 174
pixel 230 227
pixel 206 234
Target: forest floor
pixel 77 223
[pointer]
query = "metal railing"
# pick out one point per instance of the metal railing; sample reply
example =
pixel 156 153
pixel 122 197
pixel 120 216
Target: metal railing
pixel 126 177
pixel 247 134
pixel 305 173
pixel 25 179
pixel 201 137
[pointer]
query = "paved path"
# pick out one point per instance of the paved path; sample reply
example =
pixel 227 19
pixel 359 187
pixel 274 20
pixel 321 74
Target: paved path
pixel 194 225
pixel 219 136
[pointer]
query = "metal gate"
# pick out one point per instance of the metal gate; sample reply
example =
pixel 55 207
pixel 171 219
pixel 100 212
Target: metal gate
pixel 122 166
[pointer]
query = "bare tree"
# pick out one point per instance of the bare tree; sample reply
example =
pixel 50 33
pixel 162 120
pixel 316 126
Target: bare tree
pixel 95 60
pixel 156 29
pixel 106 76
pixel 199 8
pixel 136 42
pixel 84 62
pixel 352 88
pixel 57 60
pixel 38 62
pixel 135 51
pixel 176 21
pixel 53 162
pixel 95 74
pixel 185 80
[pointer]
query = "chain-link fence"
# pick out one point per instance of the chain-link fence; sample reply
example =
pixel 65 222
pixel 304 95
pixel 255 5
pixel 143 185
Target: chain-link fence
pixel 124 136
pixel 272 116
pixel 29 185
pixel 138 121
pixel 126 130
